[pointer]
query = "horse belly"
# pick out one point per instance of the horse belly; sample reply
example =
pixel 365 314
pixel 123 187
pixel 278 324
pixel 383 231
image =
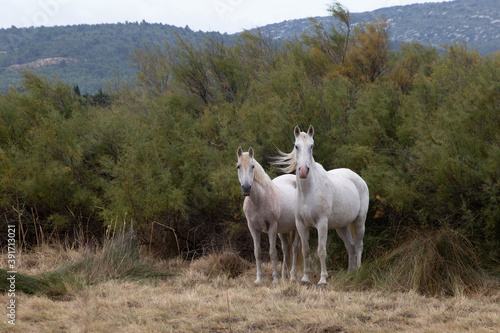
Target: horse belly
pixel 341 219
pixel 345 208
pixel 286 221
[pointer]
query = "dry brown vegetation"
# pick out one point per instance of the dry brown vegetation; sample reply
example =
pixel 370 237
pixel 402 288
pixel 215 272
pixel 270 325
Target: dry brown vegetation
pixel 216 294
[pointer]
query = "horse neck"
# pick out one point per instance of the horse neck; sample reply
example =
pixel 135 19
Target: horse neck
pixel 316 172
pixel 262 184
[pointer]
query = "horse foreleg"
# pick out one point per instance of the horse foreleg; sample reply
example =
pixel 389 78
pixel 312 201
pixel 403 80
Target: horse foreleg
pixel 256 250
pixel 304 237
pixel 284 248
pixel 322 227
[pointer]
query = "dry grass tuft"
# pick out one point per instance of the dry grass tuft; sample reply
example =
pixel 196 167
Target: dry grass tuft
pixel 227 263
pixel 117 258
pixel 435 263
pixel 44 258
pixel 60 274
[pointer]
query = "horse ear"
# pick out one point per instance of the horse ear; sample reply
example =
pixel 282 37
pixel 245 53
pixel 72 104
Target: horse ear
pixel 310 131
pixel 296 131
pixel 239 152
pixel 250 152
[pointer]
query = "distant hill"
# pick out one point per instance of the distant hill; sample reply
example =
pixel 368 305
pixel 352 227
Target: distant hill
pixel 89 56
pixel 477 22
pixel 93 55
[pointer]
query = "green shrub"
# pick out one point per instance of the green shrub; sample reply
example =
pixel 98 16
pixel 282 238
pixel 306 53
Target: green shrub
pixel 420 126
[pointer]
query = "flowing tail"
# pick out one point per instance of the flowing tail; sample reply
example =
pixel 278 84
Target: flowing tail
pixel 353 231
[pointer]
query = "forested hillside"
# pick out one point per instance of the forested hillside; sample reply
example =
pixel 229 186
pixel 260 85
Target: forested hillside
pixel 90 56
pixel 475 22
pixel 422 127
pixel 96 56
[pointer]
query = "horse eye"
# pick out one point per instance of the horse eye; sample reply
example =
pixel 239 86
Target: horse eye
pixel 238 166
pixel 253 166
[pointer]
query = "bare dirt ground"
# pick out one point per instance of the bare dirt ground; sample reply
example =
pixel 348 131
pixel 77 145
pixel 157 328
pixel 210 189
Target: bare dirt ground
pixel 193 301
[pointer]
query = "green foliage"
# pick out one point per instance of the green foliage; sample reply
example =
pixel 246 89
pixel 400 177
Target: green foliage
pixel 51 284
pixel 333 43
pixel 422 128
pixel 47 152
pixel 368 56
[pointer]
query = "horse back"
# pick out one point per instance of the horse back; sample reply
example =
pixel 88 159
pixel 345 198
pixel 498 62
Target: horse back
pixel 353 177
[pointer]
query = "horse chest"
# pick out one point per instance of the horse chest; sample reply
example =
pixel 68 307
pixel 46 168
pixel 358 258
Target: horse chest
pixel 312 209
pixel 261 216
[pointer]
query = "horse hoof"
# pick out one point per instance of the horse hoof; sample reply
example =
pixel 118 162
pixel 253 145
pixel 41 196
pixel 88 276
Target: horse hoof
pixel 321 285
pixel 305 283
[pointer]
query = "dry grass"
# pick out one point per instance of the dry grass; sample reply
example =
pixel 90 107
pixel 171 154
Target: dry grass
pixel 434 263
pixel 228 264
pixel 202 297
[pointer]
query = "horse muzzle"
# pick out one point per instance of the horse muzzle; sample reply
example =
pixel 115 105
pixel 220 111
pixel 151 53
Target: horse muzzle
pixel 245 189
pixel 303 172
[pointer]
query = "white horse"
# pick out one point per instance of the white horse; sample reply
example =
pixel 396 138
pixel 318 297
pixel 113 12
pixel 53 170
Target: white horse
pixel 269 207
pixel 337 199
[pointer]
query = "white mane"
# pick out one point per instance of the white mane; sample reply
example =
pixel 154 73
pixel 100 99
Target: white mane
pixel 287 161
pixel 259 175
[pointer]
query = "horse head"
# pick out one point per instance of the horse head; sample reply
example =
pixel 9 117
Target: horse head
pixel 304 145
pixel 246 165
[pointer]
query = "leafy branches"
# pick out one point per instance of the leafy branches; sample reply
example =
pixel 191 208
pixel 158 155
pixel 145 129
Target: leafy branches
pixel 421 127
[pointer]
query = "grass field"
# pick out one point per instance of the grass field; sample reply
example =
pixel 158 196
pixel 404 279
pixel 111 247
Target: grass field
pixel 201 296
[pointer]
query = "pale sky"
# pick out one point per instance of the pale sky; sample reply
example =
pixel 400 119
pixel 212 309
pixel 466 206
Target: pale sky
pixel 207 15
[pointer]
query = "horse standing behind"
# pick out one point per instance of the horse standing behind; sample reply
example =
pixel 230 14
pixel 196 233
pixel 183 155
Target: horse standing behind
pixel 269 207
pixel 336 199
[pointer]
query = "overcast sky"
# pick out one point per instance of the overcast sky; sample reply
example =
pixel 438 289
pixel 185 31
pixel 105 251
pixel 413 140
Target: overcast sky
pixel 207 15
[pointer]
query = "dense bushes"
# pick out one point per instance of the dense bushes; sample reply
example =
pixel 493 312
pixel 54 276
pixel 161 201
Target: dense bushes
pixel 420 126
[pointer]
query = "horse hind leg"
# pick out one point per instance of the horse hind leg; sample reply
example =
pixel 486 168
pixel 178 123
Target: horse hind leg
pixel 345 234
pixel 359 233
pixel 273 253
pixel 284 247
